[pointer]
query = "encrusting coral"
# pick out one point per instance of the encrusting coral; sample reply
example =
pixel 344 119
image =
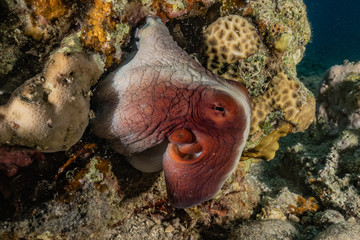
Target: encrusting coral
pixel 51 110
pixel 39 17
pixel 103 30
pixel 50 9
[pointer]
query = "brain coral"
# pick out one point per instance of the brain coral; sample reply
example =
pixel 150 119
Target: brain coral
pixel 287 106
pixel 259 45
pixel 287 96
pixel 230 39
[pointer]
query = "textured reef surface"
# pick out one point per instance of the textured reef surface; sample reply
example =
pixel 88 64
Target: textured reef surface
pixel 59 180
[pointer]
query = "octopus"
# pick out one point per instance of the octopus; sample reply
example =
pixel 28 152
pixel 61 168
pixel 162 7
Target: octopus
pixel 164 110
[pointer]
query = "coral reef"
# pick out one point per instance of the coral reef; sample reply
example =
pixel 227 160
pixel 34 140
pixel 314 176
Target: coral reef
pixel 339 97
pixel 51 110
pixel 264 57
pixel 329 163
pixel 309 189
pixel 287 106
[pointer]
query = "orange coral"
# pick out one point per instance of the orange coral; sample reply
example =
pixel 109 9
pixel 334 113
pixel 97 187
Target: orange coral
pixel 303 205
pixel 100 21
pixel 50 9
pixel 100 32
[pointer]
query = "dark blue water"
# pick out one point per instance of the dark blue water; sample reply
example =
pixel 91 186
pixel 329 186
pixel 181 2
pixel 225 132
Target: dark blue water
pixel 335 29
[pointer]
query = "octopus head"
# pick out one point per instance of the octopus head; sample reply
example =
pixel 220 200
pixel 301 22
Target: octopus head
pixel 164 110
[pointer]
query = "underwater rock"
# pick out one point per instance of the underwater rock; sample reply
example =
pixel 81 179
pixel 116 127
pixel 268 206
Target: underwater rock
pixel 327 158
pixel 343 231
pixel 108 199
pixel 91 200
pixel 270 229
pixel 51 110
pixel 328 217
pixel 329 166
pixel 339 97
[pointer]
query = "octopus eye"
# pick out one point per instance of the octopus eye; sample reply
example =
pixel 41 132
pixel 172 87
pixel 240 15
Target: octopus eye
pixel 219 109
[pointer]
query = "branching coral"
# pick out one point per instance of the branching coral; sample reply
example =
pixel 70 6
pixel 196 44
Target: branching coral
pixel 303 205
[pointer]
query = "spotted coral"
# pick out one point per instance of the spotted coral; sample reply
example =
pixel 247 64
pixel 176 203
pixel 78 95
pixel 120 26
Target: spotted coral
pixel 234 51
pixel 289 96
pixel 287 106
pixel 230 39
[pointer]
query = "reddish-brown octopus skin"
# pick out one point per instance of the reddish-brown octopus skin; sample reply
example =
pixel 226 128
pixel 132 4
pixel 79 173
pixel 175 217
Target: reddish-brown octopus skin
pixel 163 94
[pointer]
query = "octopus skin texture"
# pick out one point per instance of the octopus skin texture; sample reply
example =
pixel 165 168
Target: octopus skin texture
pixel 165 101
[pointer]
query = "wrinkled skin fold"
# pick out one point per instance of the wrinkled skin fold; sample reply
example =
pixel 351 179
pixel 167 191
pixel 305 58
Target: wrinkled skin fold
pixel 162 94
